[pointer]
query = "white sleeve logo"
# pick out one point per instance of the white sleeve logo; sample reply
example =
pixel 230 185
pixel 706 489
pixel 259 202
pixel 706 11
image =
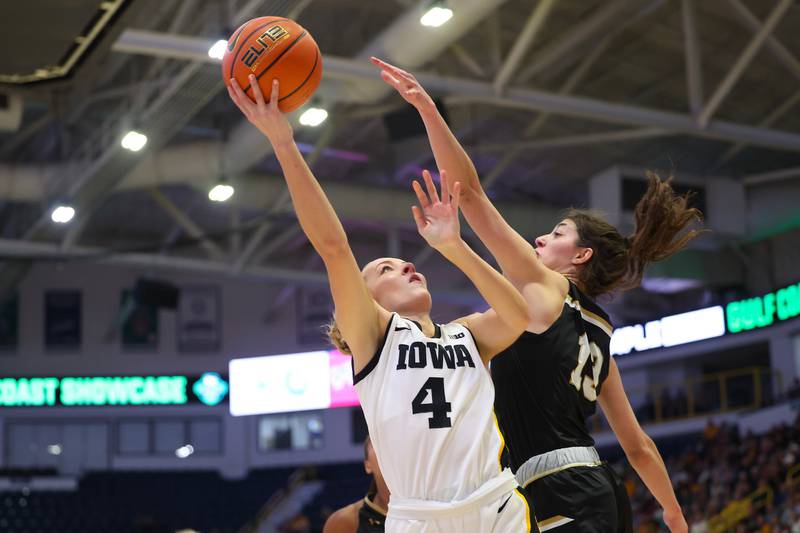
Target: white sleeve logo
pixel 585 383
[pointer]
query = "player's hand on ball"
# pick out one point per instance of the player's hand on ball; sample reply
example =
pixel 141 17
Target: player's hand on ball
pixel 405 84
pixel 676 522
pixel 437 219
pixel 263 115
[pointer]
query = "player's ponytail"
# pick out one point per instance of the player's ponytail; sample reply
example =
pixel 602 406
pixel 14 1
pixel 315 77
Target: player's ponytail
pixel 335 336
pixel 618 262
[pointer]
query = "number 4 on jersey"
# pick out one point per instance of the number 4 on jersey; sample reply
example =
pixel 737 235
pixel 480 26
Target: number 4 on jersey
pixel 587 384
pixel 438 405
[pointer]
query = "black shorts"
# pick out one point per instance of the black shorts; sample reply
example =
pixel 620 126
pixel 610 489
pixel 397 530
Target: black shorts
pixel 583 499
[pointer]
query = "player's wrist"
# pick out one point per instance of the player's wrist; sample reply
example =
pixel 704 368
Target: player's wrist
pixel 452 249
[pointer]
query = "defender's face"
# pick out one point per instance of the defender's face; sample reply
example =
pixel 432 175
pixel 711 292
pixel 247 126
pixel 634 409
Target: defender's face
pixel 397 286
pixel 558 249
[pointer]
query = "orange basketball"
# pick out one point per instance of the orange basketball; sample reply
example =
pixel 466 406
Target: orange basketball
pixel 274 47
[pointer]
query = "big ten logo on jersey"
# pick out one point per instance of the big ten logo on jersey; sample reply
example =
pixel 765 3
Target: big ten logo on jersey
pixel 420 354
pixel 263 43
pixel 581 378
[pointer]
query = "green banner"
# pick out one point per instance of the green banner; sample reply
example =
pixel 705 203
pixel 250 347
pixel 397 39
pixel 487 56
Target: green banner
pixel 763 311
pixel 209 389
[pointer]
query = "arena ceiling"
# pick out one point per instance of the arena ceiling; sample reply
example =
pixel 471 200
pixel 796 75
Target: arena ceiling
pixel 544 95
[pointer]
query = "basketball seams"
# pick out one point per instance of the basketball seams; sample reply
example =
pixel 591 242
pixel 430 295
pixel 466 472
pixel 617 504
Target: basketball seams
pixel 283 53
pixel 311 73
pixel 246 39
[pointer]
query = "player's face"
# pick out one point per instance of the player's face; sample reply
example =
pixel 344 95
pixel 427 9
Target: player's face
pixel 559 249
pixel 397 286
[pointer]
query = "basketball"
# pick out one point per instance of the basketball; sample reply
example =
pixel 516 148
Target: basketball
pixel 274 48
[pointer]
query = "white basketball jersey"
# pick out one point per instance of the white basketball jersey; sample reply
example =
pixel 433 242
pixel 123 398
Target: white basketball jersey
pixel 428 402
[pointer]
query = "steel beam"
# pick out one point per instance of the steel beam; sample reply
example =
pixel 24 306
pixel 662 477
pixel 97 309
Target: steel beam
pixel 726 85
pixel 574 140
pixel 769 120
pixel 186 223
pixel 605 16
pixel 769 177
pixel 467 60
pixel 528 35
pixel 349 69
pixel 694 73
pixel 783 54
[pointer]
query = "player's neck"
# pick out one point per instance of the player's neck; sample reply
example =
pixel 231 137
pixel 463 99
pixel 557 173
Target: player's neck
pixel 424 321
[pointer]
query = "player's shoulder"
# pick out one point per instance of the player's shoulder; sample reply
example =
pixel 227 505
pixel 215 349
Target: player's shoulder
pixel 344 520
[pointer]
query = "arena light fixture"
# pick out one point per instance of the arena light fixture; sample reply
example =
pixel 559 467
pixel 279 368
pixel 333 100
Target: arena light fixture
pixel 134 141
pixel 217 50
pixel 54 449
pixel 313 116
pixel 437 15
pixel 184 451
pixel 221 191
pixel 61 214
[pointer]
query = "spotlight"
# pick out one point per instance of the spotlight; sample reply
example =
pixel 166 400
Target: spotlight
pixel 313 116
pixel 217 50
pixel 437 15
pixel 62 214
pixel 134 141
pixel 54 449
pixel 184 451
pixel 222 191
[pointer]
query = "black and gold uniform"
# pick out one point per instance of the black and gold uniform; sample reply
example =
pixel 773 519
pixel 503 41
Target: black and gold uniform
pixel 370 517
pixel 546 386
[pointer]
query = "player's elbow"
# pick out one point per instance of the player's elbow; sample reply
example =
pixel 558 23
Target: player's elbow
pixel 331 247
pixel 641 449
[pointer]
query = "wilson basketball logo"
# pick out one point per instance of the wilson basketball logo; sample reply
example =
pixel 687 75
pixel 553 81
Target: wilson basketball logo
pixel 262 44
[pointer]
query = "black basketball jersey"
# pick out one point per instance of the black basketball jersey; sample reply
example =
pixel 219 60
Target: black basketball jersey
pixel 370 518
pixel 546 385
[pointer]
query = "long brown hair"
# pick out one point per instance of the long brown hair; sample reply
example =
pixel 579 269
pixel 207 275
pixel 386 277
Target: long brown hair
pixel 335 336
pixel 618 262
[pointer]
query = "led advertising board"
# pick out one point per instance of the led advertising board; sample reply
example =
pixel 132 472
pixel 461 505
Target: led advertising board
pixel 669 331
pixel 763 311
pixel 292 382
pixel 208 389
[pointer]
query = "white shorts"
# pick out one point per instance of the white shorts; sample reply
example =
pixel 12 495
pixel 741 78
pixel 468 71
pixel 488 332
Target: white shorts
pixel 496 507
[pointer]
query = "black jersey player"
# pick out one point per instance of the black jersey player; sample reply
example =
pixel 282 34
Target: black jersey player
pixel 369 513
pixel 551 378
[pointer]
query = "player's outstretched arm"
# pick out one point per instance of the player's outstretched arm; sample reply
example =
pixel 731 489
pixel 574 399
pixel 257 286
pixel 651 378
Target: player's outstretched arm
pixel 542 288
pixel 639 448
pixel 361 320
pixel 437 222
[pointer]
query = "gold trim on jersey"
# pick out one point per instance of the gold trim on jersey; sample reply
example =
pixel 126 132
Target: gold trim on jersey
pixel 527 510
pixel 554 522
pixel 588 316
pixel 558 469
pixel 375 507
pixel 502 442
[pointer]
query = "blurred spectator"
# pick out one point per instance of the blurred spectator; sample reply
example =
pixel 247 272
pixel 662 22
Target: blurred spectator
pixel 721 468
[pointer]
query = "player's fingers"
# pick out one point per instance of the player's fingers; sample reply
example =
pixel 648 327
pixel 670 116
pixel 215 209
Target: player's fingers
pixel 259 98
pixel 418 217
pixel 239 98
pixel 421 196
pixel 388 78
pixel 456 195
pixel 443 187
pixel 434 196
pixel 273 97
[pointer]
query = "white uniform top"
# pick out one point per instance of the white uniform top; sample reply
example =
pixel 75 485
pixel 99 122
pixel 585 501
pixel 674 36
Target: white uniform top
pixel 428 403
